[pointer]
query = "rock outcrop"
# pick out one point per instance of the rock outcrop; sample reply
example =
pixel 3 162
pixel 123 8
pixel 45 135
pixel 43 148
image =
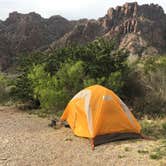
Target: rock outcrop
pixel 135 24
pixel 82 33
pixel 141 29
pixel 28 32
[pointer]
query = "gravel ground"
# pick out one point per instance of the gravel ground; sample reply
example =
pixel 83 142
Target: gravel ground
pixel 26 140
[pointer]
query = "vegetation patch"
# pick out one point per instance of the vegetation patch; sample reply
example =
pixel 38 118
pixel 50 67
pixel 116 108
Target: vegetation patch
pixel 143 151
pixel 121 156
pixel 51 79
pixel 160 151
pixel 154 127
pixel 146 86
pixel 5 87
pixel 127 149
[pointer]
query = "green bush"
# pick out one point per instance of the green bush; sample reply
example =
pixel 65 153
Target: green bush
pixel 54 77
pixel 146 88
pixel 164 127
pixel 4 88
pixel 21 90
pixel 53 92
pixel 114 81
pixel 51 79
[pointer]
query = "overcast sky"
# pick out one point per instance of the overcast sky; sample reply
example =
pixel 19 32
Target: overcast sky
pixel 70 9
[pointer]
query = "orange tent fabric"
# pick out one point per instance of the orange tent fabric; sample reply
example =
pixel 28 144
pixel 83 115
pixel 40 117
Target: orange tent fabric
pixel 96 111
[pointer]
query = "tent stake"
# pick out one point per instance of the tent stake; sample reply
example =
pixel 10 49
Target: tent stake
pixel 92 144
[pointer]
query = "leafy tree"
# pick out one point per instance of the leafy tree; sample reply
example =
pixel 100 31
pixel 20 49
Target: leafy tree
pixel 22 89
pixel 55 91
pixel 54 77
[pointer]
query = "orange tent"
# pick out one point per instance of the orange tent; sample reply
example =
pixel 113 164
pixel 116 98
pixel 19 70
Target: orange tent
pixel 98 113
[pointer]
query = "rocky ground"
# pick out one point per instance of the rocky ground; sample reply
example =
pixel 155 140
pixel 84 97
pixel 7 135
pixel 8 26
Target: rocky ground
pixel 26 140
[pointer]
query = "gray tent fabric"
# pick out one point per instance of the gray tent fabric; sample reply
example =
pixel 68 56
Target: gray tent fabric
pixel 102 139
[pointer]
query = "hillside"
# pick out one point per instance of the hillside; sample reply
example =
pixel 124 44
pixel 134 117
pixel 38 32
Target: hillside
pixel 141 29
pixel 28 32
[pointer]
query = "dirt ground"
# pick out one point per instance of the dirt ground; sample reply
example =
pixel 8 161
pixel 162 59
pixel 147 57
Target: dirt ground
pixel 26 140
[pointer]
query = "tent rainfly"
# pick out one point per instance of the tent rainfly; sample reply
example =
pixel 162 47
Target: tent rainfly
pixel 99 114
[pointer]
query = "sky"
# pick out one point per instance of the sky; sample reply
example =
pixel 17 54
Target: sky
pixel 70 9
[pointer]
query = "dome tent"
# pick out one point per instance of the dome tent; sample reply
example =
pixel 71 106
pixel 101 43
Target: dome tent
pixel 99 114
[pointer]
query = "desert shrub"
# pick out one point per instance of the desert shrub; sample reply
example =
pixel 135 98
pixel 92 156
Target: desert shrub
pixel 155 81
pixel 55 91
pixel 53 78
pixel 146 86
pixel 113 81
pixel 4 88
pixel 164 126
pixel 22 88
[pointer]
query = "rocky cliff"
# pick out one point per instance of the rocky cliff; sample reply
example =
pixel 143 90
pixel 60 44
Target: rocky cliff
pixel 27 32
pixel 141 29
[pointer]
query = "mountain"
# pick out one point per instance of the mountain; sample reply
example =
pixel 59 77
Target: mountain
pixel 28 32
pixel 141 29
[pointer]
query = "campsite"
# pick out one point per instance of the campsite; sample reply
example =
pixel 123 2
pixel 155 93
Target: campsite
pixel 82 83
pixel 26 139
